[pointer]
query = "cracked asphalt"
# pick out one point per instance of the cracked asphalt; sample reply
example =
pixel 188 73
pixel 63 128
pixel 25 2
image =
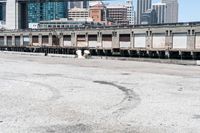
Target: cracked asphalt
pixel 65 95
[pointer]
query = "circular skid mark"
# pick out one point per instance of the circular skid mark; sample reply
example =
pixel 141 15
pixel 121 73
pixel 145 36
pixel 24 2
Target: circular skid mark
pixel 78 128
pixel 196 117
pixel 130 101
pixel 55 92
pixel 48 75
pixel 125 74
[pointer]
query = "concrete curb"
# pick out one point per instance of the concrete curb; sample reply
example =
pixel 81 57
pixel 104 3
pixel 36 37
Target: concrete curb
pixel 164 61
pixel 38 54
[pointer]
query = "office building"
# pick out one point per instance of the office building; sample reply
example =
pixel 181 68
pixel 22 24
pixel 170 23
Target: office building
pixel 130 12
pixel 160 9
pixel 16 14
pixel 97 13
pixel 117 14
pixel 77 13
pixel 149 17
pixel 42 11
pixel 79 4
pixel 171 11
pixel 142 7
pixel 2 11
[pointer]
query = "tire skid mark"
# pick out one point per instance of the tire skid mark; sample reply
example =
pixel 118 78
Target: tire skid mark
pixel 129 102
pixel 55 92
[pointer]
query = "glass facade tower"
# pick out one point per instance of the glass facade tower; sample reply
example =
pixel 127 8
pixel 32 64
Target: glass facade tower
pixel 2 11
pixel 46 10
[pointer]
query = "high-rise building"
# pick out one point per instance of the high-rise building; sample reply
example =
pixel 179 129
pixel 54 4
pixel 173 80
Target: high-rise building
pixel 78 13
pixel 160 9
pixel 142 7
pixel 97 13
pixel 149 17
pixel 2 11
pixel 130 12
pixel 46 10
pixel 79 4
pixel 117 14
pixel 172 11
pixel 16 14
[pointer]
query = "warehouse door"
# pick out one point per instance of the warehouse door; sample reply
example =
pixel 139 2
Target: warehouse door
pixel 35 41
pixel 92 39
pixel 140 40
pixel 67 40
pixel 179 41
pixel 197 42
pixel 125 40
pixel 107 41
pixel 159 41
pixel 81 41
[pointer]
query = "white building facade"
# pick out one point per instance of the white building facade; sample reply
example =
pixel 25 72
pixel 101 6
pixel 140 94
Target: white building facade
pixel 12 14
pixel 130 12
pixel 75 13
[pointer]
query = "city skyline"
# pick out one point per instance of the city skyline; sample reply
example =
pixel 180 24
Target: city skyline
pixel 188 9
